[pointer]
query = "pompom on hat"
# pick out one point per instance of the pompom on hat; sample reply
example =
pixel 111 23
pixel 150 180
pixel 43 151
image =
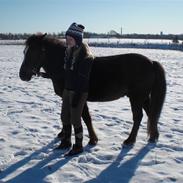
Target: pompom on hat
pixel 76 31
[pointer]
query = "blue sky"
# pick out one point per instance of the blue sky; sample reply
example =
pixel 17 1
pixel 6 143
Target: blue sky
pixel 134 16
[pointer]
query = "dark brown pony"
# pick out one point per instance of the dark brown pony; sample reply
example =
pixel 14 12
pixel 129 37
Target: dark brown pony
pixel 112 77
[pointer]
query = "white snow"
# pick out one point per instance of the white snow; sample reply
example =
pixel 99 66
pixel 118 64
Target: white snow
pixel 102 40
pixel 30 121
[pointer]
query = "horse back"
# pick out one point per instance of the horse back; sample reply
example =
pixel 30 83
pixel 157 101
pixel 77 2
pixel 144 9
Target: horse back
pixel 114 76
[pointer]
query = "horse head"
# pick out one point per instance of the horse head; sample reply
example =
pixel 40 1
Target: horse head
pixel 34 56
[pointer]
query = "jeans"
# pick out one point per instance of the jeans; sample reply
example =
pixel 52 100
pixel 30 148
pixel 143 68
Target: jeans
pixel 72 115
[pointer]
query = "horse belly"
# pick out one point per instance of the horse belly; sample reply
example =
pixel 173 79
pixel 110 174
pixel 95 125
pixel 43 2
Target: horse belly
pixel 107 94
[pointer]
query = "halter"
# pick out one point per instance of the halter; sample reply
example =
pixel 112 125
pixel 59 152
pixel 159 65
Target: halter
pixel 36 71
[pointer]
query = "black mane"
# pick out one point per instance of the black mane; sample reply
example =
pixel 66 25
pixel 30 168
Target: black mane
pixel 39 39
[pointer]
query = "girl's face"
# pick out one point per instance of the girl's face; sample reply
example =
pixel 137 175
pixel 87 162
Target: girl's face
pixel 70 41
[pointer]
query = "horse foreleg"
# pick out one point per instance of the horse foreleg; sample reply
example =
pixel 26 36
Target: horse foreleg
pixel 136 108
pixel 61 134
pixel 88 121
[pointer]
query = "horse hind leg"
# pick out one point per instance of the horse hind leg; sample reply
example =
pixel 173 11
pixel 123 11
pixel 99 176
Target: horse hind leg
pixel 152 130
pixel 88 121
pixel 146 106
pixel 136 108
pixel 151 124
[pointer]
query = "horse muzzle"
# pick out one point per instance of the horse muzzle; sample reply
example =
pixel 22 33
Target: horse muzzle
pixel 25 75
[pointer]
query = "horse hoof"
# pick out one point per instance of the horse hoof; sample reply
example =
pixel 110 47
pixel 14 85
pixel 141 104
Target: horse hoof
pixel 125 146
pixel 128 143
pixel 93 142
pixel 153 140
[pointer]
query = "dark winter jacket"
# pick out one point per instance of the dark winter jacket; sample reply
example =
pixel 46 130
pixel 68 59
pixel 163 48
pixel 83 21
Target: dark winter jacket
pixel 78 64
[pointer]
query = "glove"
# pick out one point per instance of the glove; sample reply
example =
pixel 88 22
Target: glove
pixel 76 99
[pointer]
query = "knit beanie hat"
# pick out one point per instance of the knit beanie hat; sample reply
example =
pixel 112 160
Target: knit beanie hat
pixel 76 31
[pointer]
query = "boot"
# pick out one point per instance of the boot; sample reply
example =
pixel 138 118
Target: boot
pixel 66 141
pixel 77 147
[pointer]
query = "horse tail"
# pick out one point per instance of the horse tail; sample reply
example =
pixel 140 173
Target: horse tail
pixel 156 100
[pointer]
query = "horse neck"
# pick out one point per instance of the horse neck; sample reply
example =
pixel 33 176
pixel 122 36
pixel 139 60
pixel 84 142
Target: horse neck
pixel 54 60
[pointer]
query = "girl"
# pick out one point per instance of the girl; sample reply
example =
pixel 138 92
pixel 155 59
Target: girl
pixel 78 63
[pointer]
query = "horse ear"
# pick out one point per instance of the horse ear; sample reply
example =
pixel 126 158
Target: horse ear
pixel 44 35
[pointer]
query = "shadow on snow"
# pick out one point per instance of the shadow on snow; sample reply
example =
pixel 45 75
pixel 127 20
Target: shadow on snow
pixel 122 171
pixel 116 172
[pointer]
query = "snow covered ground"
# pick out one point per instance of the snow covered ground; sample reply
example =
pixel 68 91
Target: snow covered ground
pixel 29 123
pixel 103 40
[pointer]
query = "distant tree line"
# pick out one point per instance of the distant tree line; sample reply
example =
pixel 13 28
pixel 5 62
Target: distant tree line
pixel 175 38
pixel 10 36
